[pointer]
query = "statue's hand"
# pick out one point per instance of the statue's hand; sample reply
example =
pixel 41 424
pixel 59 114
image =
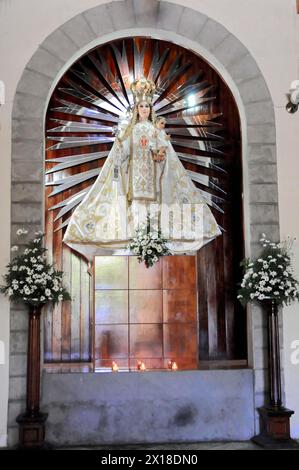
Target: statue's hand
pixel 155 155
pixel 161 154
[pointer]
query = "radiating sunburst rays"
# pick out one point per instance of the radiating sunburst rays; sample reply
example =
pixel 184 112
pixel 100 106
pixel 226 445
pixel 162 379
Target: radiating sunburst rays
pixel 94 95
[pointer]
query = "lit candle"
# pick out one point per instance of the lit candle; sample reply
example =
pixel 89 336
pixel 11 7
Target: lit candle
pixel 141 366
pixel 174 366
pixel 114 367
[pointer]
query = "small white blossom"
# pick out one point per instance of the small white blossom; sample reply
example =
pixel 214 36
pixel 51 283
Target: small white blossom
pixel 21 231
pixel 14 248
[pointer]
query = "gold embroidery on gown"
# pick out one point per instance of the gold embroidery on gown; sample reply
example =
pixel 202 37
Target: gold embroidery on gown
pixel 129 185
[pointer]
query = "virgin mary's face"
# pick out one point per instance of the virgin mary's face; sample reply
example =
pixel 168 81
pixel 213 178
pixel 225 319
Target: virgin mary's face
pixel 143 111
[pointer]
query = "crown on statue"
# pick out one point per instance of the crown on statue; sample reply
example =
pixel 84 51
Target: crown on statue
pixel 143 90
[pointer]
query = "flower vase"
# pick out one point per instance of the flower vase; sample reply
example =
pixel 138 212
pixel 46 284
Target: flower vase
pixel 274 418
pixel 32 422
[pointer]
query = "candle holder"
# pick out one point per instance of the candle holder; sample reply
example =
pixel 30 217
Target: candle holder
pixel 172 365
pixel 141 366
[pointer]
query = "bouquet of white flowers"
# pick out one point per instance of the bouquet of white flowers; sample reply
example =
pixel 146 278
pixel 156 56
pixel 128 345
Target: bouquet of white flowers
pixel 149 244
pixel 30 278
pixel 270 276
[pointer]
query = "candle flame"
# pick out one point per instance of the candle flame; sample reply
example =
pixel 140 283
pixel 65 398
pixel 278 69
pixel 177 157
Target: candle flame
pixel 172 365
pixel 141 366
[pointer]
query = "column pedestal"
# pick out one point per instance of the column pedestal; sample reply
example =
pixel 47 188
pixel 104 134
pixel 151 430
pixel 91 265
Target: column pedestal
pixel 275 429
pixel 32 422
pixel 274 418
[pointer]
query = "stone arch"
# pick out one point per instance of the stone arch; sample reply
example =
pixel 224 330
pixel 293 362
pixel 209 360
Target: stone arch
pixel 191 29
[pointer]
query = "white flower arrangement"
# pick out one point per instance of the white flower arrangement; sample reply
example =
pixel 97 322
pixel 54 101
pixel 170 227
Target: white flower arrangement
pixel 149 245
pixel 270 276
pixel 30 278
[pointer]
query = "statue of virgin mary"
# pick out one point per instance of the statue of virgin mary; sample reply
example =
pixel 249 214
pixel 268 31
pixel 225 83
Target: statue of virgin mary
pixel 142 176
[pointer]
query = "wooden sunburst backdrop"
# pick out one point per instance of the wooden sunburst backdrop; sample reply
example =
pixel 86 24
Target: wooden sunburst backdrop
pixel 203 122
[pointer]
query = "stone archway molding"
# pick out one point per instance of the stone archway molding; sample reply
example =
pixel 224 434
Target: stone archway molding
pixel 188 28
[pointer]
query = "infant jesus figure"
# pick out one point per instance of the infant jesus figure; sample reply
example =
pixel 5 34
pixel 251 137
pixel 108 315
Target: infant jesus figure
pixel 160 133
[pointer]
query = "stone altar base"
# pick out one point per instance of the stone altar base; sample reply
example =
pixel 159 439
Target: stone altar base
pixel 148 407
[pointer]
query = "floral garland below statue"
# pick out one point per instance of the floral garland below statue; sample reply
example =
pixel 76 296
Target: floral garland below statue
pixel 270 276
pixel 149 245
pixel 30 278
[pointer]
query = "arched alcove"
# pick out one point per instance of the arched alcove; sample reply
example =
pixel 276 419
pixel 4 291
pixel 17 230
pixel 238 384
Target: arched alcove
pixel 203 121
pixel 238 68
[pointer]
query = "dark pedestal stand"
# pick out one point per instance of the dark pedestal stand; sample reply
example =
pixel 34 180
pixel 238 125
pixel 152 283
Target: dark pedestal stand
pixel 32 422
pixel 274 418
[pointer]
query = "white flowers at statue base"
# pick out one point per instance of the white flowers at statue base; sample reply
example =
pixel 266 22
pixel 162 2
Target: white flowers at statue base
pixel 149 245
pixel 30 278
pixel 270 276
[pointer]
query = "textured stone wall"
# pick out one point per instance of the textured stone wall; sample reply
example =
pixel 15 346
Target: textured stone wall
pixel 30 103
pixel 148 407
